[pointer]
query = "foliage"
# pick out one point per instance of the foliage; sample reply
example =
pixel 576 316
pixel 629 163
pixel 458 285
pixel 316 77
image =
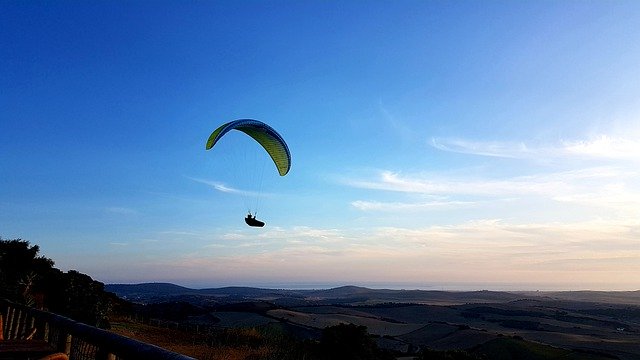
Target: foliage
pixel 349 341
pixel 22 271
pixel 512 348
pixel 173 311
pixel 340 342
pixel 30 279
pixel 429 354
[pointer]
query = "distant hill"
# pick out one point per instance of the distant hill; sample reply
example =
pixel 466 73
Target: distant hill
pixel 245 291
pixel 606 297
pixel 148 289
pixel 159 292
pixel 340 292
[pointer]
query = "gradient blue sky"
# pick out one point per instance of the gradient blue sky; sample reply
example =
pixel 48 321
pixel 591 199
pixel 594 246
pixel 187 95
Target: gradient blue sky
pixel 436 144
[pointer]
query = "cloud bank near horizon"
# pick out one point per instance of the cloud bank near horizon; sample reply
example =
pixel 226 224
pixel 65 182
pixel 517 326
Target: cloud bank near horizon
pixel 482 251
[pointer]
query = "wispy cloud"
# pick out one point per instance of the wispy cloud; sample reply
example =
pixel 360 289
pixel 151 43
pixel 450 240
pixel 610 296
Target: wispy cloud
pixel 605 147
pixel 396 125
pixel 607 182
pixel 599 147
pixel 607 191
pixel 552 184
pixel 283 235
pixel 396 206
pixel 219 186
pixel 122 244
pixel 121 210
pixel 495 149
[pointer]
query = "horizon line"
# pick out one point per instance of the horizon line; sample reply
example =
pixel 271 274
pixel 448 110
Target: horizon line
pixel 451 287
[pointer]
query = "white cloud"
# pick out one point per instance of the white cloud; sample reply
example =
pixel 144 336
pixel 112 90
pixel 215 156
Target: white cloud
pixel 121 210
pixel 282 235
pixel 551 184
pixel 219 186
pixel 579 254
pixel 119 244
pixel 605 147
pixel 598 192
pixel 602 147
pixel 495 149
pixel 396 206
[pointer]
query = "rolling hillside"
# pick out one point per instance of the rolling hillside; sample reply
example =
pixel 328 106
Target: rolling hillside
pixel 546 324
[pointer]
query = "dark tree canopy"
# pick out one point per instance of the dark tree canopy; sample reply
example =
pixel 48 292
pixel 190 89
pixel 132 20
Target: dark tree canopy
pixel 22 271
pixel 30 279
pixel 352 342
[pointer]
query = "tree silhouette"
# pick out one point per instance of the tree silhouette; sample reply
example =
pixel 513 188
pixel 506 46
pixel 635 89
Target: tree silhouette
pixel 428 354
pixel 30 279
pixel 349 342
pixel 22 271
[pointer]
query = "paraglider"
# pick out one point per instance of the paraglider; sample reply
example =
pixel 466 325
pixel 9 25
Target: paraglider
pixel 252 221
pixel 267 137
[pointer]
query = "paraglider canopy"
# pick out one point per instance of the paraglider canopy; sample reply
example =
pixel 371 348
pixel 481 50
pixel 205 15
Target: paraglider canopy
pixel 270 141
pixel 264 134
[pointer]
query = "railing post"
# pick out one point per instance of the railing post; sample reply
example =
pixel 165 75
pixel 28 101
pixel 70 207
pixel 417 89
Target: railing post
pixel 14 324
pixel 32 326
pixel 74 339
pixel 41 326
pixel 9 320
pixel 65 342
pixel 104 354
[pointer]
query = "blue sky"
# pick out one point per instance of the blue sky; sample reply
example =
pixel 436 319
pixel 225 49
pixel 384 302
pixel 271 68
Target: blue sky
pixel 435 144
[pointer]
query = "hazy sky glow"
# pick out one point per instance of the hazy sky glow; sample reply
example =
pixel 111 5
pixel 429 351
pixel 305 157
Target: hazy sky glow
pixel 453 145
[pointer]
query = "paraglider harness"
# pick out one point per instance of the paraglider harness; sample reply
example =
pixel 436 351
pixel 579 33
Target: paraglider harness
pixel 252 221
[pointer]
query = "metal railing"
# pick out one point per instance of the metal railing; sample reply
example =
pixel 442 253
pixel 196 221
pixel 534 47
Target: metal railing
pixel 79 341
